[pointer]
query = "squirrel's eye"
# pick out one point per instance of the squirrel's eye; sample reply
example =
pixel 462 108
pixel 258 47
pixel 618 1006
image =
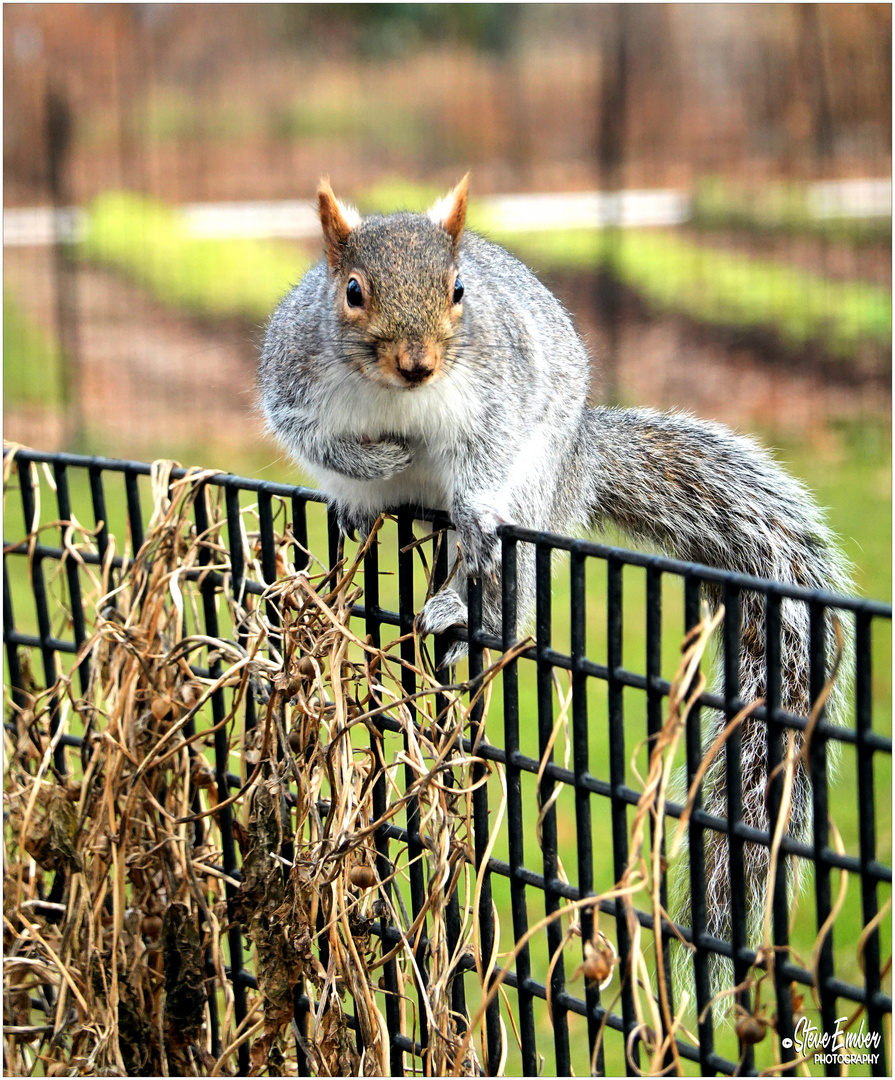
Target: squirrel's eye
pixel 354 294
pixel 458 291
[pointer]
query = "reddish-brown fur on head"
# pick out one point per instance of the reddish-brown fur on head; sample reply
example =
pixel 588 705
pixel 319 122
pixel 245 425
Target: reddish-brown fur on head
pixel 337 220
pixel 450 212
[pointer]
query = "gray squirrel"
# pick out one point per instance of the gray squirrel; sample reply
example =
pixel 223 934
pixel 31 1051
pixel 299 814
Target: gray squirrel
pixel 420 364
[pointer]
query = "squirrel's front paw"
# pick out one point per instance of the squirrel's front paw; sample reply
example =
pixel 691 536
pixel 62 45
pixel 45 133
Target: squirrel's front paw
pixel 354 523
pixel 479 544
pixel 440 613
pixel 381 459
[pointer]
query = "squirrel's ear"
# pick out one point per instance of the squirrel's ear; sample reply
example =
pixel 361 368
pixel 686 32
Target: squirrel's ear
pixel 450 212
pixel 337 220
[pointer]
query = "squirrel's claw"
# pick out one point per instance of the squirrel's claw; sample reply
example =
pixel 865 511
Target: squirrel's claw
pixel 454 655
pixel 440 613
pixel 355 524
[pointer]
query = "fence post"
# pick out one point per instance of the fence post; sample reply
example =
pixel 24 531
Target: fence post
pixel 610 152
pixel 59 134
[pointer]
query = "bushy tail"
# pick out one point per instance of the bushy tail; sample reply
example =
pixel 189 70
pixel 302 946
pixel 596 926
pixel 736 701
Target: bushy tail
pixel 701 493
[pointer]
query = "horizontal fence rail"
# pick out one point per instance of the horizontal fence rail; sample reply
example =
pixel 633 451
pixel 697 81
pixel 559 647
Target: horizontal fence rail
pixel 556 703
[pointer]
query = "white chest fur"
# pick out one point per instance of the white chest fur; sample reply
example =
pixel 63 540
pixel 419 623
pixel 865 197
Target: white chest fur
pixel 432 420
pixel 435 412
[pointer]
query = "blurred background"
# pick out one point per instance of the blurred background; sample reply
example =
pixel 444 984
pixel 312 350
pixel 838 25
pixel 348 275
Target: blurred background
pixel 707 187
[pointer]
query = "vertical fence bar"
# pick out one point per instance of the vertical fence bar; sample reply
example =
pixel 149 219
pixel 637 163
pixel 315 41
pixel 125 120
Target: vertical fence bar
pixel 301 560
pixel 41 605
pixel 580 758
pixel 692 594
pixel 63 501
pixel 549 838
pixel 817 757
pixel 300 556
pixel 867 831
pixel 237 587
pixel 100 517
pixel 198 835
pixel 515 820
pixel 780 908
pixel 734 781
pixel 101 521
pixel 335 543
pixel 440 569
pixel 481 825
pixel 617 762
pixel 221 757
pixel 134 511
pixel 237 555
pixel 301 1006
pixel 269 559
pixel 12 651
pixel 453 926
pixel 332 533
pixel 384 866
pixel 415 850
pixel 654 724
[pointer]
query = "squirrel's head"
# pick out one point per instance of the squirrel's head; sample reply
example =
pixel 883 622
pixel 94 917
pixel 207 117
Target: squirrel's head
pixel 397 285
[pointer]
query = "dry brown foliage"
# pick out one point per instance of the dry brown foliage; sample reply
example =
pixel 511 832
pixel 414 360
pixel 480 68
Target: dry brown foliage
pixel 135 937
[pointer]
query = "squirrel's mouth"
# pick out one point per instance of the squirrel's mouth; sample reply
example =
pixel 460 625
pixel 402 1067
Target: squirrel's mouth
pixel 410 365
pixel 404 383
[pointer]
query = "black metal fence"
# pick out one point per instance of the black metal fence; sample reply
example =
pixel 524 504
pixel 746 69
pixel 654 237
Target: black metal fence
pixel 587 802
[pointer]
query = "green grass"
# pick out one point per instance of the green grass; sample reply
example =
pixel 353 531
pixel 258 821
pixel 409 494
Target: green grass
pixel 673 274
pixel 849 469
pixel 321 119
pixel 328 120
pixel 149 243
pixel 395 193
pixel 777 209
pixel 32 372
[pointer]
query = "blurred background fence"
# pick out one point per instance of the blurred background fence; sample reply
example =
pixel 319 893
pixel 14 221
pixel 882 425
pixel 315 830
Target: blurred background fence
pixel 737 260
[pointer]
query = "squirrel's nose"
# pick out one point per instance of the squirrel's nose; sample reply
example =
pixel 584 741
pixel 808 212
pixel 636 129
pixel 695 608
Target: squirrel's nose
pixel 416 363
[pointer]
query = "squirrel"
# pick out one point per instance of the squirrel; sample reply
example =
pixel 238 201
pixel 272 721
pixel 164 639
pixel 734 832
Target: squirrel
pixel 421 364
